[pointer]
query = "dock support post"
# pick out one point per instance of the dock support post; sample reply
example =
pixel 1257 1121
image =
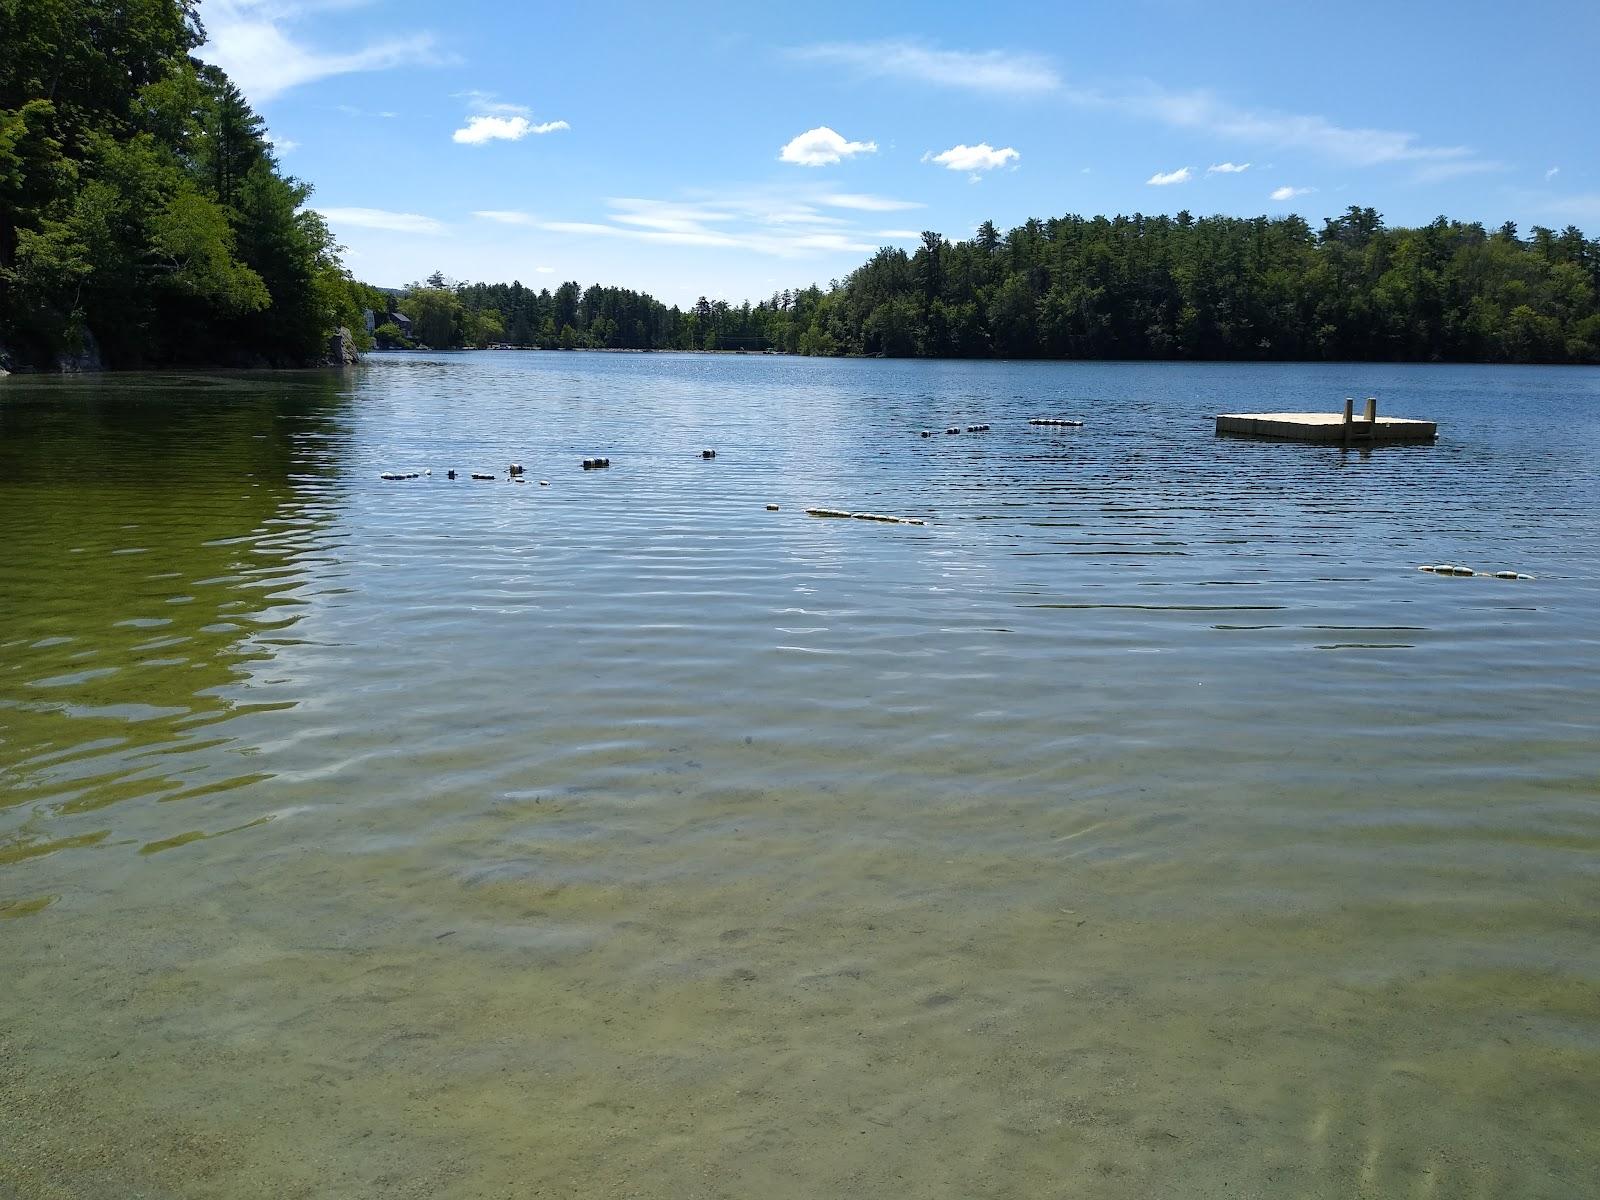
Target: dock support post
pixel 1372 412
pixel 1349 411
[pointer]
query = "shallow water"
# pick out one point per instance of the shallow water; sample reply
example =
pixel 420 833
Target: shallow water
pixel 1145 824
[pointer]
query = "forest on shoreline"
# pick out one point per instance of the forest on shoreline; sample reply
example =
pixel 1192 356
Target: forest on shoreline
pixel 1139 287
pixel 143 217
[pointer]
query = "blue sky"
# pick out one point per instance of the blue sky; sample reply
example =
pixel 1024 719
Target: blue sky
pixel 734 150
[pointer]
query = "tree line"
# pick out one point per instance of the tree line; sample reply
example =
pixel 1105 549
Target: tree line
pixel 143 217
pixel 1139 287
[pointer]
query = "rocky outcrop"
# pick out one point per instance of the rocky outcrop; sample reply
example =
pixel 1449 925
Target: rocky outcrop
pixel 342 350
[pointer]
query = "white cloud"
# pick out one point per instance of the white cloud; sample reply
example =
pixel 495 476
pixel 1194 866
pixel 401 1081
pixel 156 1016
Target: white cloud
pixel 481 129
pixel 1227 168
pixel 1289 193
pixel 282 145
pixel 505 216
pixel 901 235
pixel 980 71
pixel 1552 172
pixel 866 203
pixel 249 40
pixel 1181 175
pixel 982 157
pixel 545 270
pixel 821 146
pixel 377 218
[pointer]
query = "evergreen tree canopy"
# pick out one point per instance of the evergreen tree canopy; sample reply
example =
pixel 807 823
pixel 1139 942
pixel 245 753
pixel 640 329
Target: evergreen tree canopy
pixel 1119 287
pixel 140 202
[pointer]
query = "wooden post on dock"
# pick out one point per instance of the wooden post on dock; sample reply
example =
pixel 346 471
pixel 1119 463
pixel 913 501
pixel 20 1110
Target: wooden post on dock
pixel 1349 411
pixel 1372 412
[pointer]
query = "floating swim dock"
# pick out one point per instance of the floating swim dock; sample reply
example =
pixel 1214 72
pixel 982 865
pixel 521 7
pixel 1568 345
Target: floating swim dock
pixel 1343 428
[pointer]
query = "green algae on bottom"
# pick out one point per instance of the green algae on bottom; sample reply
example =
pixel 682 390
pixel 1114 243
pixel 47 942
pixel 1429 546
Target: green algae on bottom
pixel 12 909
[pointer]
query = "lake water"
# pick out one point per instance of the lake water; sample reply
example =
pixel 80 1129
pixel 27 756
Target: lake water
pixel 1144 825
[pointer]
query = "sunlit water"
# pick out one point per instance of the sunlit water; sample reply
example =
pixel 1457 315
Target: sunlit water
pixel 1144 825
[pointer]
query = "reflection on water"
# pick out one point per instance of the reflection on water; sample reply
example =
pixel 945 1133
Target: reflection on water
pixel 1145 824
pixel 160 535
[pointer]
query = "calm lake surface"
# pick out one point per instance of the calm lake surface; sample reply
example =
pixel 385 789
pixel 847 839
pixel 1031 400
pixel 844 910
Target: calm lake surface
pixel 1144 825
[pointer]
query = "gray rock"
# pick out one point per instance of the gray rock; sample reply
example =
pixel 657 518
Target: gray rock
pixel 342 350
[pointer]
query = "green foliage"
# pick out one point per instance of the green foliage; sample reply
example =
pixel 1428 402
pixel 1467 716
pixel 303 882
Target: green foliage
pixel 438 320
pixel 192 235
pixel 139 200
pixel 1131 287
pixel 389 337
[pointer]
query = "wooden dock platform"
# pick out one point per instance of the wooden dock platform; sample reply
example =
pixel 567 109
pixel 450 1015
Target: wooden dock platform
pixel 1343 428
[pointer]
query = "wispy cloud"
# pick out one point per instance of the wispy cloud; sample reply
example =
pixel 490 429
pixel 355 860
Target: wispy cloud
pixel 759 221
pixel 350 110
pixel 1227 168
pixel 545 270
pixel 503 216
pixel 982 157
pixel 378 218
pixel 1552 172
pixel 1438 172
pixel 480 101
pixel 1208 113
pixel 792 247
pixel 669 217
pixel 901 235
pixel 821 147
pixel 250 40
pixel 1584 206
pixel 1289 193
pixel 867 203
pixel 980 71
pixel 282 145
pixel 483 129
pixel 1163 179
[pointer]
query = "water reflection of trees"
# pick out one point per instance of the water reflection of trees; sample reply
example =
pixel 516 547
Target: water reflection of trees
pixel 154 527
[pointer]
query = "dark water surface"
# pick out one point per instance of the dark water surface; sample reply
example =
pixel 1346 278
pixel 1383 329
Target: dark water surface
pixel 1144 825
